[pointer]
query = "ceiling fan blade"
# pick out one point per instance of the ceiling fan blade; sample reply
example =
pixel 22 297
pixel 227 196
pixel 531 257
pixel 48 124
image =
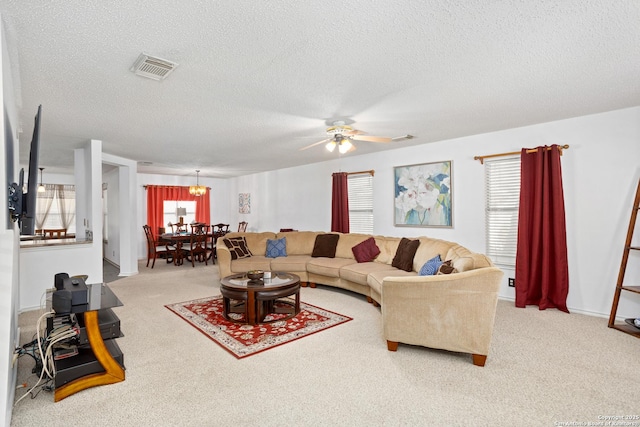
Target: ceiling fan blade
pixel 316 143
pixel 370 138
pixel 354 132
pixel 398 138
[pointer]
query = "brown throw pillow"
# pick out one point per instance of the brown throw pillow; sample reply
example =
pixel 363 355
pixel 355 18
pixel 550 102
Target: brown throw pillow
pixel 447 268
pixel 238 247
pixel 366 251
pixel 325 245
pixel 405 253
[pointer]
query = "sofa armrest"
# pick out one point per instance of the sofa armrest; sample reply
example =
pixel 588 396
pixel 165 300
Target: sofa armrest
pixel 453 312
pixel 224 258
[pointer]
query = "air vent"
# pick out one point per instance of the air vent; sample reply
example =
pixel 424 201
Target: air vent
pixel 152 67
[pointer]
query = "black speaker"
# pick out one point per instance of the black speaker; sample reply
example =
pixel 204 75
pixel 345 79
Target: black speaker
pixel 58 280
pixel 61 302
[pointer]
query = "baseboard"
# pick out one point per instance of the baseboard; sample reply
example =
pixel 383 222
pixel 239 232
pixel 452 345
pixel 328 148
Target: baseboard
pixel 573 310
pixel 111 262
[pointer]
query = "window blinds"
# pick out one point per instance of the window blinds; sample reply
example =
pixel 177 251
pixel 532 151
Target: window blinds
pixel 502 183
pixel 361 203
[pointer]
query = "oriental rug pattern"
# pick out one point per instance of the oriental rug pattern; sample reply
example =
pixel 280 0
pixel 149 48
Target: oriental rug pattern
pixel 244 340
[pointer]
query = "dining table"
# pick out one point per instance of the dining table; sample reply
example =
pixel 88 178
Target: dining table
pixel 177 240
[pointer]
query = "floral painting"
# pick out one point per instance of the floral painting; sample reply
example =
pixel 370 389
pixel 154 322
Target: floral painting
pixel 423 195
pixel 244 203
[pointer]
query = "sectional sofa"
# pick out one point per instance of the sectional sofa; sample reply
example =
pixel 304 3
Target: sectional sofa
pixel 452 307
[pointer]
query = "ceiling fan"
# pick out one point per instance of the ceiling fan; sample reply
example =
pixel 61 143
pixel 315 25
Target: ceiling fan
pixel 341 135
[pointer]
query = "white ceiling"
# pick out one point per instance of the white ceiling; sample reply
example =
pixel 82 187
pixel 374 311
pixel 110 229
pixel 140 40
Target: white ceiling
pixel 258 80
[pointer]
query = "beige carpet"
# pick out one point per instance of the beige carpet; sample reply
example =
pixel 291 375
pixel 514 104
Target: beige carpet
pixel 544 368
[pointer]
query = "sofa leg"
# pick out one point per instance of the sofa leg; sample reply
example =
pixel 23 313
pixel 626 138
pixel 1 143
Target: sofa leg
pixel 303 284
pixel 370 300
pixel 392 345
pixel 479 359
pixel 375 303
pixel 311 284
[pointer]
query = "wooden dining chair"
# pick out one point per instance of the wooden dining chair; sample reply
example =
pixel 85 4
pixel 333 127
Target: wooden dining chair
pixel 242 226
pixel 157 249
pixel 217 230
pixel 198 244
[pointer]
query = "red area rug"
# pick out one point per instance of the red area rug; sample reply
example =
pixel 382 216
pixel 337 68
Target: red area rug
pixel 243 340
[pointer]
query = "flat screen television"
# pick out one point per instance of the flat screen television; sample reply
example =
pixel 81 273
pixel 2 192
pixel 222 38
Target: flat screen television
pixel 28 217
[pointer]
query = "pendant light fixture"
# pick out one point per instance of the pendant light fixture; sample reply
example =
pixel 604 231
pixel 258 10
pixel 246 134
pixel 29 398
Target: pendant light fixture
pixel 197 190
pixel 41 188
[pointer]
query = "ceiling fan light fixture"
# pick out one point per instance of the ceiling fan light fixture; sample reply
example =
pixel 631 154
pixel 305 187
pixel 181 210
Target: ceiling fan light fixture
pixel 331 146
pixel 197 190
pixel 345 145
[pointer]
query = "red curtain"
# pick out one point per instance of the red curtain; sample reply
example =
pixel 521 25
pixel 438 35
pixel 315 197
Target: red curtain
pixel 157 194
pixel 542 270
pixel 340 203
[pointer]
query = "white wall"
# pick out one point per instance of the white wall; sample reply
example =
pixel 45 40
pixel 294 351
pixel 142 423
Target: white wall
pixel 9 243
pixel 112 238
pixel 600 172
pixel 72 259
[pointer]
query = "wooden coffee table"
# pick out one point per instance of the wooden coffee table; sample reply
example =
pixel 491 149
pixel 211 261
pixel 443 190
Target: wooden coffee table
pixel 257 297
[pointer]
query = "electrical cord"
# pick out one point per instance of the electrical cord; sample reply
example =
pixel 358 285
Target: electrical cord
pixel 45 353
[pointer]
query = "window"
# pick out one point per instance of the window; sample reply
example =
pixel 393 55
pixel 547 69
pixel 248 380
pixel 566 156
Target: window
pixel 502 183
pixel 172 215
pixel 361 203
pixel 56 208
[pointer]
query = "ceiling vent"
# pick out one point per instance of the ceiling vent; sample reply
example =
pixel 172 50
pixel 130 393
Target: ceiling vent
pixel 152 67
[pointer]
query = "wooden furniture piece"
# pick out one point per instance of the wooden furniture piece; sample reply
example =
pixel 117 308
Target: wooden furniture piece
pixel 179 228
pixel 155 248
pixel 100 298
pixel 198 244
pixel 257 297
pixel 242 226
pixel 627 327
pixel 54 233
pixel 217 230
pixel 177 241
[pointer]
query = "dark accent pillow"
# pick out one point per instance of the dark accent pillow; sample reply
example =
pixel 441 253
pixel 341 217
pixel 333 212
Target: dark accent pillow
pixel 276 248
pixel 325 245
pixel 366 251
pixel 431 267
pixel 447 268
pixel 405 253
pixel 238 247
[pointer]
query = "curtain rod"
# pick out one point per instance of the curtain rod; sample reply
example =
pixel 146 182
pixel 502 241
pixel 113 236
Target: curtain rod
pixel 168 186
pixel 370 172
pixel 533 150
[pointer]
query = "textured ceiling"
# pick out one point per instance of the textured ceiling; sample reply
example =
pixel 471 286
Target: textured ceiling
pixel 258 80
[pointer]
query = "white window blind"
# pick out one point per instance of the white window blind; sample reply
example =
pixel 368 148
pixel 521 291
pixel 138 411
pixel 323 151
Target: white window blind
pixel 361 203
pixel 502 183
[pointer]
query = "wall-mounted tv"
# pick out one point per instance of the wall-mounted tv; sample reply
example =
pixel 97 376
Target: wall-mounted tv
pixel 22 205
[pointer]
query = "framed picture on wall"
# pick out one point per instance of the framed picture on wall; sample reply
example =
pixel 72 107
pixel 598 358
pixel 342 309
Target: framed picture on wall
pixel 244 203
pixel 423 195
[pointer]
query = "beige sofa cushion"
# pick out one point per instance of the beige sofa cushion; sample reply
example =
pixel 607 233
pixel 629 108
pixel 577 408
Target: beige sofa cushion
pixel 375 278
pixel 388 248
pixel 299 242
pixel 329 267
pixel 257 242
pixel 258 262
pixel 358 272
pixel 463 259
pixel 290 263
pixel 347 242
pixel 430 248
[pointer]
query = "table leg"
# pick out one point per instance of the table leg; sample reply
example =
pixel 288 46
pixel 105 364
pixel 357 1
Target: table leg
pixel 250 309
pixel 113 371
